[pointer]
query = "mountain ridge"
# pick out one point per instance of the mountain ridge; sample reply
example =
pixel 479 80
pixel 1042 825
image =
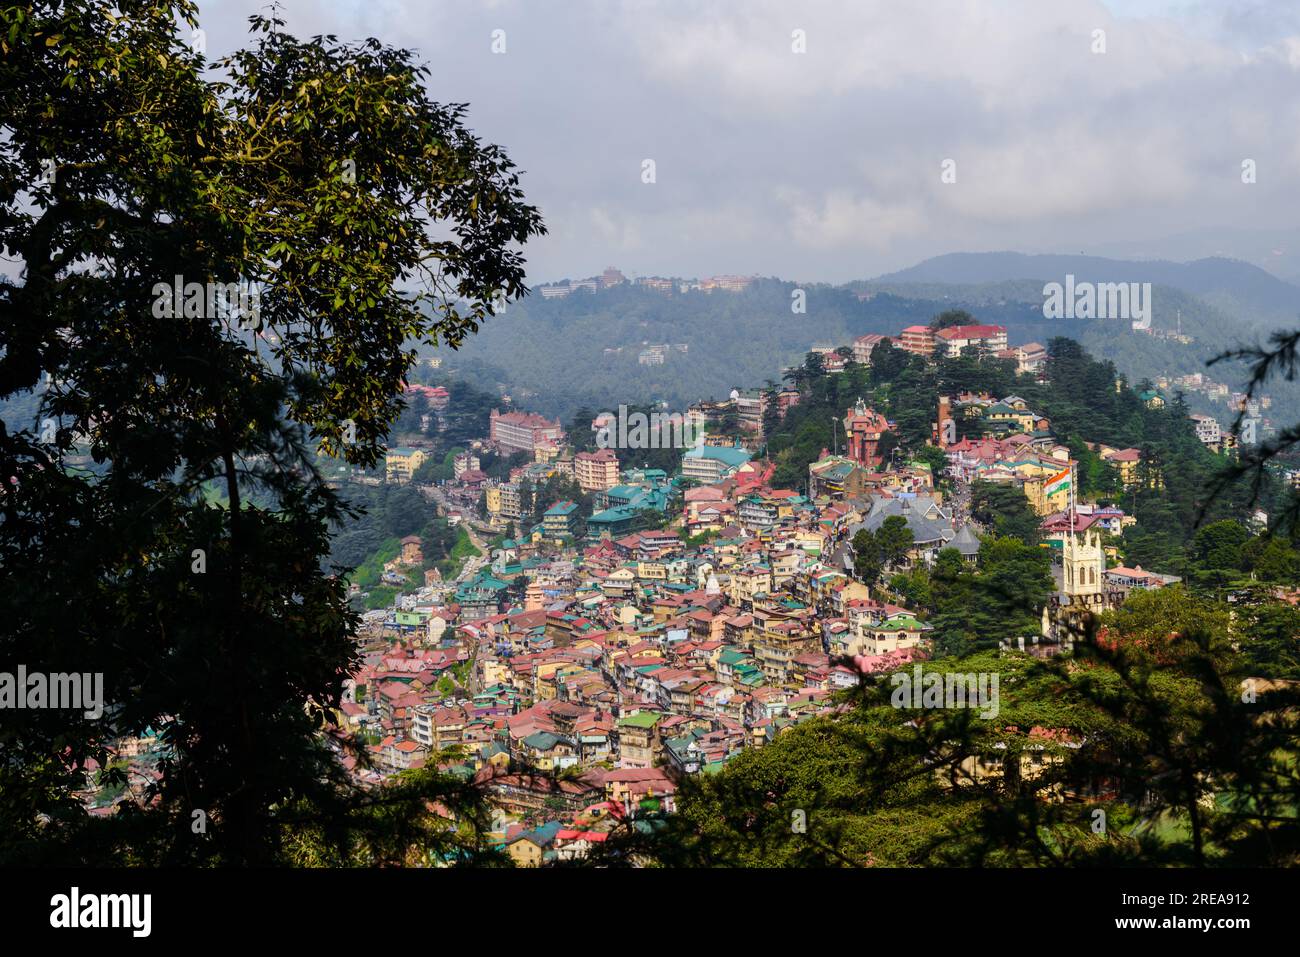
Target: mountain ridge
pixel 1224 282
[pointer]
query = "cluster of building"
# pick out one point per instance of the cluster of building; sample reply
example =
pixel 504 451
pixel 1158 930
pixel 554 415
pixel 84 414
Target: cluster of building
pixel 950 342
pixel 1254 427
pixel 655 355
pixel 631 657
pixel 686 617
pixel 613 277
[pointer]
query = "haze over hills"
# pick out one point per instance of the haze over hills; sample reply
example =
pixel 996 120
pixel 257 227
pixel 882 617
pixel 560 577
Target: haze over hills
pixel 1229 283
pixel 1276 251
pixel 557 355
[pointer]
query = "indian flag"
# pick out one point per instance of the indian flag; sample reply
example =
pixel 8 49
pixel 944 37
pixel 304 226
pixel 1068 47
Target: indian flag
pixel 1059 482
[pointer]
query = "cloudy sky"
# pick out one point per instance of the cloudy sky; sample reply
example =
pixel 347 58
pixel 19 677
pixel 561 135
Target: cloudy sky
pixel 827 165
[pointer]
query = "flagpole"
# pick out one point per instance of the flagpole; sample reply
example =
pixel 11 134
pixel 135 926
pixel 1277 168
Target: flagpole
pixel 1069 552
pixel 1072 504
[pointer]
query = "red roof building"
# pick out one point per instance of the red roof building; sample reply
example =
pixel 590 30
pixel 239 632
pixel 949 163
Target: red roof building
pixel 984 338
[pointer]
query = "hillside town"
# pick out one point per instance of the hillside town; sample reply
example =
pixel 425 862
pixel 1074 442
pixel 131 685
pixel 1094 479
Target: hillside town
pixel 579 667
pixel 584 443
pixel 596 659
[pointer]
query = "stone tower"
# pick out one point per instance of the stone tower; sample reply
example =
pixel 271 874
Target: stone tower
pixel 1082 592
pixel 1083 563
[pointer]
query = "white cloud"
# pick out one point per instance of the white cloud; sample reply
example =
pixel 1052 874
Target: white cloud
pixel 827 162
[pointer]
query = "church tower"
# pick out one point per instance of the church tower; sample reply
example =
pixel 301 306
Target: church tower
pixel 1082 589
pixel 1083 564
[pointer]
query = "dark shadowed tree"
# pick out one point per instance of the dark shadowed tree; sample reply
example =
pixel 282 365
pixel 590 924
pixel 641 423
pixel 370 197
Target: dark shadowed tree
pixel 162 523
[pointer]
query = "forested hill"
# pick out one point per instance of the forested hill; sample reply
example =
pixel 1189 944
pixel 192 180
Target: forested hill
pixel 558 355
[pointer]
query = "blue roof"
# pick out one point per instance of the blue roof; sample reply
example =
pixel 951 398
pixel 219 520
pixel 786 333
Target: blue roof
pixel 543 835
pixel 625 491
pixel 728 455
pixel 618 513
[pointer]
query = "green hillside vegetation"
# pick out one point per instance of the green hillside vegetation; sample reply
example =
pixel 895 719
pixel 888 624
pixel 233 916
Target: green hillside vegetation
pixel 550 354
pixel 1083 404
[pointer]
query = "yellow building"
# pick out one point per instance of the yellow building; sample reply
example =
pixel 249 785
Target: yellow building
pixel 495 672
pixel 1022 419
pixel 525 852
pixel 401 463
pixel 1125 461
pixel 811 540
pixel 1036 476
pixel 748 582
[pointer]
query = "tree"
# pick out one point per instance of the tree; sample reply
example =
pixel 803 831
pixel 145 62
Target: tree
pixel 1272 642
pixel 935 458
pixel 1144 723
pixel 999 603
pixel 1272 559
pixel 1005 510
pixel 894 539
pixel 771 410
pixel 1280 358
pixel 316 180
pixel 868 563
pixel 581 435
pixel 1218 546
pixel 951 317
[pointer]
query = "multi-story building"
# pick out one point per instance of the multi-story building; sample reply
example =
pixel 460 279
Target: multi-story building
pixel 712 463
pixel 757 512
pixel 748 582
pixel 596 471
pixel 918 339
pixel 638 739
pixel 1207 429
pixel 511 503
pixel 436 727
pixel 728 283
pixel 464 462
pixel 1126 460
pixel 836 476
pixel 863 346
pixel 656 283
pixel 751 404
pixel 984 338
pixel 492 502
pixel 523 432
pixel 888 635
pixel 563 520
pixel 865 427
pixel 1029 358
pixel 401 463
